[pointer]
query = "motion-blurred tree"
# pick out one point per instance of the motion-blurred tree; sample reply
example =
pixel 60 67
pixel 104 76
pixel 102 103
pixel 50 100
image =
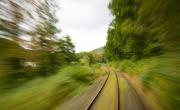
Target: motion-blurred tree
pixel 128 35
pixel 148 30
pixel 62 54
pixel 31 27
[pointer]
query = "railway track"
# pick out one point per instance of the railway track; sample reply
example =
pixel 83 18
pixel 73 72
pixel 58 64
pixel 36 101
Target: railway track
pixel 108 97
pixel 111 92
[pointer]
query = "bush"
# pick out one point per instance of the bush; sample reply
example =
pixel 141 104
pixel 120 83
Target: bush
pixel 45 92
pixel 160 75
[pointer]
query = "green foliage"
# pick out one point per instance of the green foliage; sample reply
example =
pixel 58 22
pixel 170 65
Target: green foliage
pixel 139 30
pixel 43 54
pixel 63 54
pixel 143 42
pixel 46 92
pixel 159 75
pixel 91 58
pixel 80 73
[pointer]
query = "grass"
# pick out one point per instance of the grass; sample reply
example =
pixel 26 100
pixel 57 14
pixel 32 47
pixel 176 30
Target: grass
pixel 159 74
pixel 42 93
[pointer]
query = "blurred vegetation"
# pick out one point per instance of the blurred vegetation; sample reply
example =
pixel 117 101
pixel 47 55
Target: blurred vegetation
pixel 39 67
pixel 43 93
pixel 143 41
pixel 142 29
pixel 29 42
pixel 90 58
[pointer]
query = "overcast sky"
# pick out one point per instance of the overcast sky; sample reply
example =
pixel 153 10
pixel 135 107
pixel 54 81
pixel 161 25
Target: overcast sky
pixel 86 21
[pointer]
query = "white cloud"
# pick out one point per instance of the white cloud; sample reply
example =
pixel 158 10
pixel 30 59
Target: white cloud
pixel 86 21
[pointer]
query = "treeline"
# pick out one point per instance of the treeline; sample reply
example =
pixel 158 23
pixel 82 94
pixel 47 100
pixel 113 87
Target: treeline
pixel 143 42
pixel 142 29
pixel 89 58
pixel 29 40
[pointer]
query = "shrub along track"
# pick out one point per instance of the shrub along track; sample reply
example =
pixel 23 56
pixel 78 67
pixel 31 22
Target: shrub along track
pixel 111 92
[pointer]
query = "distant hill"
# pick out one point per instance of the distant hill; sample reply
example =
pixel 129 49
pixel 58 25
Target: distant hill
pixel 98 50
